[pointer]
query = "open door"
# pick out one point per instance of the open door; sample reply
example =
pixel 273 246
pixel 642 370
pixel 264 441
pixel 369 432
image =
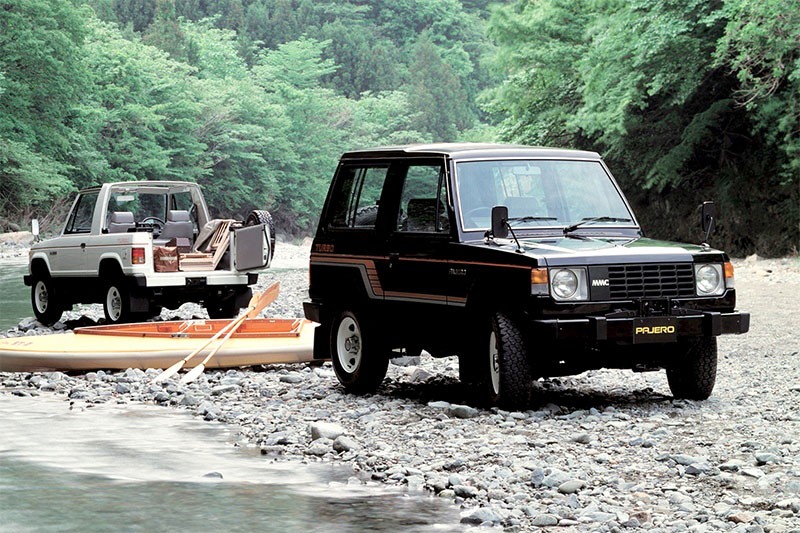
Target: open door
pixel 251 248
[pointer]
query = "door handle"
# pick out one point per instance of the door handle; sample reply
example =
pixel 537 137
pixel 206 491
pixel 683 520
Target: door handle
pixel 83 246
pixel 393 258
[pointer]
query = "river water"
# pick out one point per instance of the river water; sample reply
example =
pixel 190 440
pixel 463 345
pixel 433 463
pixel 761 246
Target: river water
pixel 147 468
pixel 15 302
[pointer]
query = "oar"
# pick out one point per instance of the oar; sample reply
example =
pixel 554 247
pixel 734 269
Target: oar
pixel 192 374
pixel 257 303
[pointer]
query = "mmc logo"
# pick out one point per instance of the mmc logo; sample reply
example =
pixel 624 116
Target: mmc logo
pixel 600 283
pixel 655 330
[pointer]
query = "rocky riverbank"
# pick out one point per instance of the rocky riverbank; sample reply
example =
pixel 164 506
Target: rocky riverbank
pixel 603 451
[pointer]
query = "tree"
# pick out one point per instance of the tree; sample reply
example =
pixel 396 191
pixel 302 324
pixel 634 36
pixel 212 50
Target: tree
pixel 635 80
pixel 438 98
pixel 41 79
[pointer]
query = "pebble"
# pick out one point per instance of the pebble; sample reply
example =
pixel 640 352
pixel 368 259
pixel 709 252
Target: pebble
pixel 319 430
pixel 608 450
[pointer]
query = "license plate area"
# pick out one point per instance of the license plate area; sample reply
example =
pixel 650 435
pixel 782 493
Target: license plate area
pixel 655 329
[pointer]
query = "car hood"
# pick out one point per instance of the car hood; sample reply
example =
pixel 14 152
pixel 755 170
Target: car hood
pixel 574 250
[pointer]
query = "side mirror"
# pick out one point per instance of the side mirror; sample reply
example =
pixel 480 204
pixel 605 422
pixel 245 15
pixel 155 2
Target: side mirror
pixel 500 221
pixel 707 220
pixel 35 227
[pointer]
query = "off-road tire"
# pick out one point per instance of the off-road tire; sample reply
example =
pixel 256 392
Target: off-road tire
pixel 260 216
pixel 508 381
pixel 692 375
pixel 359 360
pixel 44 300
pixel 117 303
pixel 366 216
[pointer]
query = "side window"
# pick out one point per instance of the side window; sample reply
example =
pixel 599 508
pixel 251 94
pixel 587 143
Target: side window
pixel 424 200
pixel 354 202
pixel 80 221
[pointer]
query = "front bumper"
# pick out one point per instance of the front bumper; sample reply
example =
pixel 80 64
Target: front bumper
pixel 600 328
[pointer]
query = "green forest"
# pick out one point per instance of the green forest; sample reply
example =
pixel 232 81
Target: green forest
pixel 687 100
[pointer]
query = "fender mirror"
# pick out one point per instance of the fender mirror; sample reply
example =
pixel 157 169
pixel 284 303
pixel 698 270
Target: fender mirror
pixel 500 221
pixel 35 227
pixel 707 219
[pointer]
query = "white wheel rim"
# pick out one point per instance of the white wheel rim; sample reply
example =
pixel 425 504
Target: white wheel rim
pixel 41 297
pixel 494 363
pixel 114 303
pixel 348 345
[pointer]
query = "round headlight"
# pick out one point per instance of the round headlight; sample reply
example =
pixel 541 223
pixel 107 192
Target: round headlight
pixel 565 283
pixel 708 279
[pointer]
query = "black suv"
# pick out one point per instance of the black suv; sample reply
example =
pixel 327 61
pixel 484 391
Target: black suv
pixel 524 262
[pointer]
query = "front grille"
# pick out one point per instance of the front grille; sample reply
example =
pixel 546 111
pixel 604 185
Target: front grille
pixel 651 281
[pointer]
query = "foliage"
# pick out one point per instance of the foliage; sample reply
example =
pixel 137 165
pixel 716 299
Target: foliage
pixel 256 99
pixel 637 81
pixel 253 99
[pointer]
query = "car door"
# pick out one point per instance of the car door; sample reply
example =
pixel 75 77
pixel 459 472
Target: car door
pixel 67 253
pixel 417 263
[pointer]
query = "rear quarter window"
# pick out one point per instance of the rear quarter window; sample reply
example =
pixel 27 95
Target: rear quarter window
pixel 355 197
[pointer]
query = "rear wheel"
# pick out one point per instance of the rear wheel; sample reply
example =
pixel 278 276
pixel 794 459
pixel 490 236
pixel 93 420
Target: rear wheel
pixel 44 300
pixel 507 374
pixel 117 303
pixel 358 360
pixel 693 374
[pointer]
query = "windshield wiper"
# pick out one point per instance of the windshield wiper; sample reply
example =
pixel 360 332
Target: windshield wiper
pixel 529 219
pixel 573 227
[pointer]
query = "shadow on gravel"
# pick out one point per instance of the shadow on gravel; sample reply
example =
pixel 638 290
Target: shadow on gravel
pixel 545 394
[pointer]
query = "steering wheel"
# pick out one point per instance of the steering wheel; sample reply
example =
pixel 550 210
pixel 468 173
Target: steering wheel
pixel 155 221
pixel 478 211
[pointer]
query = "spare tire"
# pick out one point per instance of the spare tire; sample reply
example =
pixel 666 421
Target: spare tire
pixel 259 216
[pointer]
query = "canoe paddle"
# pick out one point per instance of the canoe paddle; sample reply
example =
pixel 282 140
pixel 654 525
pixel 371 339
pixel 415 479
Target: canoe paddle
pixel 257 303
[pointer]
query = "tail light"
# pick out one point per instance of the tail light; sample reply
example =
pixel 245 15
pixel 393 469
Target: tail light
pixel 137 256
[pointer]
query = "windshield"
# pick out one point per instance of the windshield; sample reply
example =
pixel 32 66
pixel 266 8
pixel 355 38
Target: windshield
pixel 539 194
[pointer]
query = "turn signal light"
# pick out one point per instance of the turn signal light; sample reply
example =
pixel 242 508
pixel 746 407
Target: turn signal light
pixel 539 281
pixel 137 256
pixel 729 279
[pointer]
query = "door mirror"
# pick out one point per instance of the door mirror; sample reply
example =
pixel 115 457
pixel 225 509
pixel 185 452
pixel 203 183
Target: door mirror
pixel 35 227
pixel 707 220
pixel 500 221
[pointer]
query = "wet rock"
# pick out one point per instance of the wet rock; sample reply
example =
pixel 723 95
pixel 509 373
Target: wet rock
pixel 292 377
pixel 480 516
pixel 214 475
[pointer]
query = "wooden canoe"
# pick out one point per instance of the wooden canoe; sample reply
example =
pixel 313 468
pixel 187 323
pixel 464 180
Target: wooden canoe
pixel 258 341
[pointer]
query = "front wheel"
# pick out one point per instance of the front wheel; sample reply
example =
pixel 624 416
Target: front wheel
pixel 692 375
pixel 507 374
pixel 358 360
pixel 44 301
